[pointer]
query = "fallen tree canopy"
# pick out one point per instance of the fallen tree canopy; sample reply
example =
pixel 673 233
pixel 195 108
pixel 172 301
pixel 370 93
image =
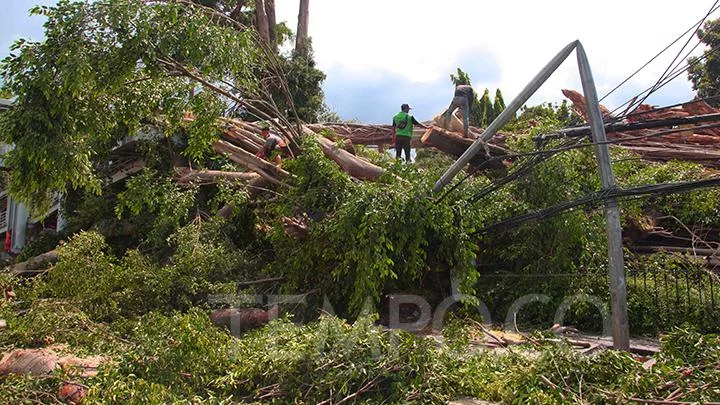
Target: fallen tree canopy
pixel 178 237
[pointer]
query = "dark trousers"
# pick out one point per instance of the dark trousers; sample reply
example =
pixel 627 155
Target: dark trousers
pixel 402 143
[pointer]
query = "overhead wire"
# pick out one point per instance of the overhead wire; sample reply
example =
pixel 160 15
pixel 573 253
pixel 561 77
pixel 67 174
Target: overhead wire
pixel 670 73
pixel 673 76
pixel 597 197
pixel 546 154
pixel 657 55
pixel 661 80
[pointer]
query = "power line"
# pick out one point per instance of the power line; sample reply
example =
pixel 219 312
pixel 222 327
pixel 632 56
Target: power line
pixel 632 126
pixel 657 55
pixel 547 154
pixel 666 77
pixel 598 197
pixel 673 76
pixel 662 77
pixel 541 156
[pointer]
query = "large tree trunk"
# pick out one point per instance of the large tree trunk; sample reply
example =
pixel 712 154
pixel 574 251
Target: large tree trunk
pixel 365 134
pixel 302 28
pixel 186 175
pixel 455 144
pixel 35 264
pixel 265 169
pixel 272 23
pixel 666 152
pixel 261 21
pixel 237 11
pixel 353 165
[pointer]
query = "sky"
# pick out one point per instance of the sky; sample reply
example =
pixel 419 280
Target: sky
pixel 378 54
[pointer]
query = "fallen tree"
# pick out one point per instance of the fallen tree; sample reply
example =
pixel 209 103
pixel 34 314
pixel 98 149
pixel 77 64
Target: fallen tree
pixel 455 144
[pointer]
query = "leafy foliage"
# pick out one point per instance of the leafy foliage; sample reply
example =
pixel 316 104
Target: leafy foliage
pixel 498 104
pixel 90 276
pixel 376 236
pixel 93 82
pixel 704 74
pixel 304 81
pixel 161 196
pixel 182 357
pixel 485 109
pixel 546 115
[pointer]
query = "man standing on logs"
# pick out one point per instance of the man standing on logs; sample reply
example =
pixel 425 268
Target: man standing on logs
pixel 402 131
pixel 463 99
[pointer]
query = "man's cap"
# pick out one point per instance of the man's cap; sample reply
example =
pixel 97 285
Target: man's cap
pixel 263 125
pixel 405 107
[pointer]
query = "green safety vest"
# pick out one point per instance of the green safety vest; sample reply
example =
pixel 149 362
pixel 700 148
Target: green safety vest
pixel 408 130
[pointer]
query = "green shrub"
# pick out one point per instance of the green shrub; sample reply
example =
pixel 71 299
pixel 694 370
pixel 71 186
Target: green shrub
pixel 106 287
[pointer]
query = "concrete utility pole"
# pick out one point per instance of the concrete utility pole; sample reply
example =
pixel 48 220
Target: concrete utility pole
pixel 618 291
pixel 505 116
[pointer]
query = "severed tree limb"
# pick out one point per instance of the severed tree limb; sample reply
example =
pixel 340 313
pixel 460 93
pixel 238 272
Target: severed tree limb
pixel 187 175
pixel 265 169
pixel 455 144
pixel 177 66
pixel 35 264
pixel 355 166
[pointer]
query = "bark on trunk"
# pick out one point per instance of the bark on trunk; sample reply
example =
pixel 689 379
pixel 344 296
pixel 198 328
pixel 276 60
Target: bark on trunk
pixel 704 156
pixel 261 21
pixel 355 166
pixel 186 176
pixel 455 144
pixel 237 11
pixel 302 28
pixel 272 23
pixel 34 265
pixel 363 134
pixel 265 169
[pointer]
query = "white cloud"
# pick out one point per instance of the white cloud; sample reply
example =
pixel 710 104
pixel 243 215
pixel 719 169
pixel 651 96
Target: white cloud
pixel 423 41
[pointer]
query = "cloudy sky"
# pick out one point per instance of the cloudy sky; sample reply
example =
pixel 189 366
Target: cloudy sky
pixel 378 54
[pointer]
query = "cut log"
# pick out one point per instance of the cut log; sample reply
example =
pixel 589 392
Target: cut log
pixel 186 175
pixel 704 156
pixel 34 265
pixel 242 139
pixel 455 144
pixel 239 320
pixel 45 361
pixel 265 169
pixel 363 134
pixel 72 393
pixel 355 166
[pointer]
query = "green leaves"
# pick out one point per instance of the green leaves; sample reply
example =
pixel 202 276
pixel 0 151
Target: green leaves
pixel 704 72
pixel 376 237
pixel 100 74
